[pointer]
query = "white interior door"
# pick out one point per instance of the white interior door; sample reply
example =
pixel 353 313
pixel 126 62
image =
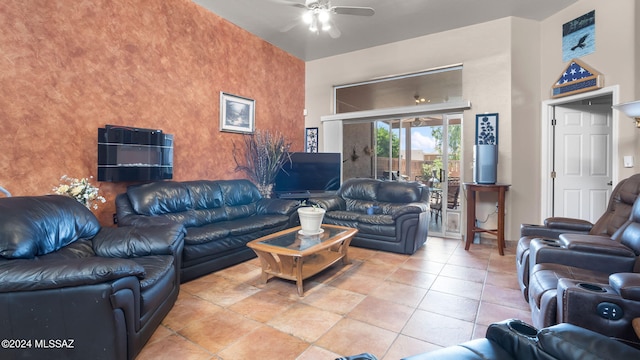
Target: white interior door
pixel 583 160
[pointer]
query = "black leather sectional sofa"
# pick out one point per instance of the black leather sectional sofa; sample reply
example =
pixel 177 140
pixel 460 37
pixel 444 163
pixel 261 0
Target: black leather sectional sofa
pixel 220 217
pixel 71 289
pixel 389 215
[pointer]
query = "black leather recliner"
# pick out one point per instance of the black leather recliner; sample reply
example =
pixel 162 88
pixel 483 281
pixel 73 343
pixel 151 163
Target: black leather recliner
pixel 620 203
pixel 514 339
pixel 572 277
pixel 389 215
pixel 72 289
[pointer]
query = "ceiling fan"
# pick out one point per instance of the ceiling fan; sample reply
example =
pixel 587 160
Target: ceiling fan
pixel 318 15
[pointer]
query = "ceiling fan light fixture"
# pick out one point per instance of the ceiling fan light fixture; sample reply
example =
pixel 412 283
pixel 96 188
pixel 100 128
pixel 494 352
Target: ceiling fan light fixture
pixel 307 17
pixel 324 16
pixel 326 26
pixel 314 24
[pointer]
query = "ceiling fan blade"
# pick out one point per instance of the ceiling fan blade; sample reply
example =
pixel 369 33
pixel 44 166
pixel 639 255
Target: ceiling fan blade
pixel 353 10
pixel 333 31
pixel 289 3
pixel 289 26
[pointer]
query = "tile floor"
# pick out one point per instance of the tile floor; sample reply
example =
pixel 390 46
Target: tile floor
pixel 386 304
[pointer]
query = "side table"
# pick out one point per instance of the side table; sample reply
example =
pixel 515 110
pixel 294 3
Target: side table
pixel 471 189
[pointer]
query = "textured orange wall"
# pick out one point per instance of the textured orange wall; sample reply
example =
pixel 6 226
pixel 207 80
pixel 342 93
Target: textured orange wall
pixel 68 67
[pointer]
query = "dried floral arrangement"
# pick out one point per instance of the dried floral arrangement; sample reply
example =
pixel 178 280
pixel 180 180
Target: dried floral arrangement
pixel 264 154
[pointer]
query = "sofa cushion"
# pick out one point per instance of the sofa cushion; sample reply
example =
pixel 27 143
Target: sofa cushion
pixel 205 194
pixel 399 192
pixel 38 225
pixel 160 198
pixel 359 189
pixel 239 192
pixel 343 215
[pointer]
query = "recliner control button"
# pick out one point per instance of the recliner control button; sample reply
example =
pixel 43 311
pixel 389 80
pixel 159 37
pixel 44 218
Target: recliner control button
pixel 610 311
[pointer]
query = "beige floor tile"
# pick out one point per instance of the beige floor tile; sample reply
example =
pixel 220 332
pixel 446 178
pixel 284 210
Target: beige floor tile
pixel 187 309
pixel 334 299
pixel 316 353
pixel 173 347
pixel 489 313
pixel 405 346
pixel 469 289
pixel 350 337
pixel 423 265
pixel 263 306
pixel 216 332
pixel 305 322
pixel 399 293
pixel 414 278
pixel 438 329
pixel 264 343
pixel 382 313
pixel 502 296
pixel 450 305
pixel 390 305
pixel 464 273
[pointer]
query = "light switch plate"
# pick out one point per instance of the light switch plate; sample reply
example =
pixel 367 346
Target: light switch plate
pixel 628 161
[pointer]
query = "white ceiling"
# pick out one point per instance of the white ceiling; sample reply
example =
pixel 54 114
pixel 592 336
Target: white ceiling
pixel 394 20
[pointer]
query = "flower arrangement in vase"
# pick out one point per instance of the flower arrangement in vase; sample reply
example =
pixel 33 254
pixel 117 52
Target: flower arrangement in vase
pixel 81 190
pixel 265 153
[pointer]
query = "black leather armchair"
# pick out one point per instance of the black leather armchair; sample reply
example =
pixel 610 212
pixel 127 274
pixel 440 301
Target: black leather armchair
pixel 514 339
pixel 74 290
pixel 398 217
pixel 618 210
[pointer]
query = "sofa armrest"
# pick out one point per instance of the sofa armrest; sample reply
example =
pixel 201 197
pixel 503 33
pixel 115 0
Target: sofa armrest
pixel 126 216
pixel 29 275
pixel 277 206
pixel 593 258
pixel 133 241
pixel 595 243
pixel 411 208
pixel 541 231
pixel 567 341
pixel 627 285
pixel 330 203
pixel 563 223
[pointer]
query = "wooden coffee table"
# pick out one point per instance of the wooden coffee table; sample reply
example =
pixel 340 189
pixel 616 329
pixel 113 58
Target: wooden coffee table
pixel 292 256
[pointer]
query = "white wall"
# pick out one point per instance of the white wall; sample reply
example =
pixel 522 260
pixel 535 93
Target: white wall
pixel 509 66
pixel 615 57
pixel 485 52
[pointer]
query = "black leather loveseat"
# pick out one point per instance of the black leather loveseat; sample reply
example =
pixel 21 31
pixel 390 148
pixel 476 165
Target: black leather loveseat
pixel 514 339
pixel 220 216
pixel 389 215
pixel 70 289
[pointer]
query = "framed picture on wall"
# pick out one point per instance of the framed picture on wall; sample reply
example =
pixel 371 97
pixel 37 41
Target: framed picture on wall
pixel 311 140
pixel 237 114
pixel 487 129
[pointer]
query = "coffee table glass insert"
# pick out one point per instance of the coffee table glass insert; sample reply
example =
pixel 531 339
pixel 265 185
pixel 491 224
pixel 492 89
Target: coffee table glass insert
pixel 290 255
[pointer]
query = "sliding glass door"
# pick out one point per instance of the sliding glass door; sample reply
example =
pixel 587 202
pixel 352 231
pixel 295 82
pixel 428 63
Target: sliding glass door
pixel 428 150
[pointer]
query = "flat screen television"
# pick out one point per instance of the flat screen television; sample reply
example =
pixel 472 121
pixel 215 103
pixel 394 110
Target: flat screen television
pixel 309 173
